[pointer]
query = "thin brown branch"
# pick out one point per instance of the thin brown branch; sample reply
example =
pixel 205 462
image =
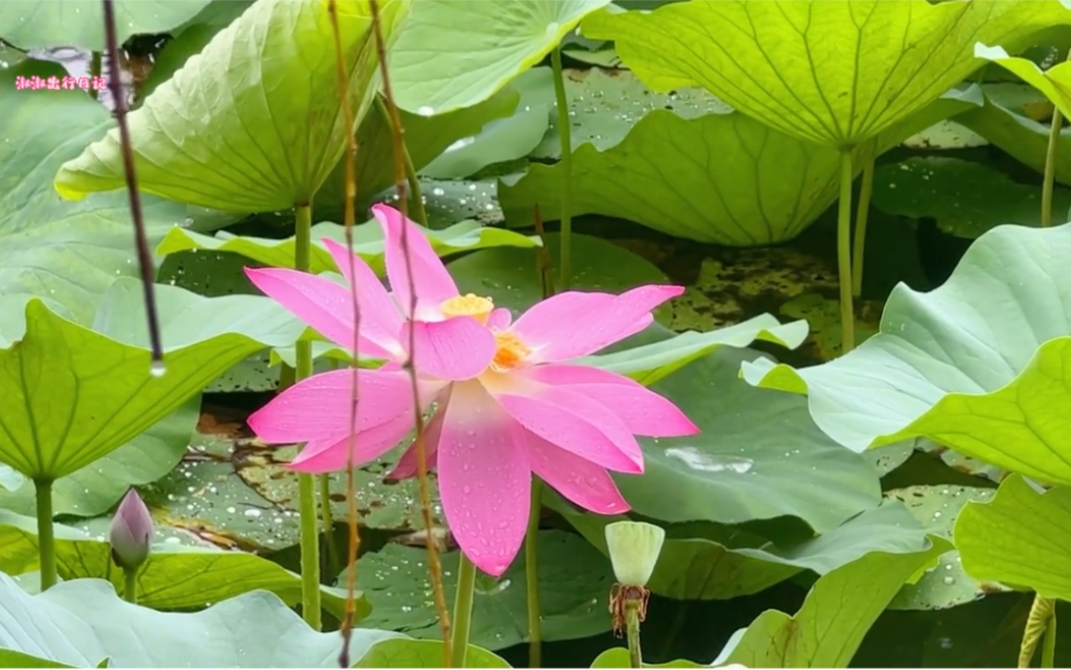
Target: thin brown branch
pixel 398 137
pixel 145 263
pixel 350 157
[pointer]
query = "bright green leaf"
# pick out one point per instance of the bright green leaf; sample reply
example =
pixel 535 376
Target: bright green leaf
pixel 785 64
pixel 839 610
pixel 367 242
pixel 965 198
pixel 456 53
pixel 574 584
pixel 979 365
pixel 1054 83
pixel 618 658
pixel 17 659
pixel 31 24
pixel 262 132
pixel 699 171
pixel 96 487
pixel 1022 537
pixel 406 653
pixel 173 578
pixel 82 621
pixel 86 394
pixel 501 141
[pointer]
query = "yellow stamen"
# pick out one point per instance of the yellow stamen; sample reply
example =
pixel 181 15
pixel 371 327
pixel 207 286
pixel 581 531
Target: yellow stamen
pixel 510 352
pixel 471 304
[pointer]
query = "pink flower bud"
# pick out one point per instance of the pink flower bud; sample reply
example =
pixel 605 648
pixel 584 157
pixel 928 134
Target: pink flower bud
pixel 131 532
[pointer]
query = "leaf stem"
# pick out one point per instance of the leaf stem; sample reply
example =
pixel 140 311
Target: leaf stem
pixel 531 575
pixel 310 532
pixel 462 619
pixel 1049 179
pixel 632 628
pixel 1048 645
pixel 844 253
pixel 1042 616
pixel 130 585
pixel 46 537
pixel 862 213
pixel 416 195
pixel 565 135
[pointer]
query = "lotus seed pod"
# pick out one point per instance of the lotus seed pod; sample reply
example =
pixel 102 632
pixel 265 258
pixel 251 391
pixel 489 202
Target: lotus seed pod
pixel 634 547
pixel 131 532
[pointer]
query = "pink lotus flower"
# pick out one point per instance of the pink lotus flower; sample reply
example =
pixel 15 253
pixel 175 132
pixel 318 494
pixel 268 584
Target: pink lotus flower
pixel 508 402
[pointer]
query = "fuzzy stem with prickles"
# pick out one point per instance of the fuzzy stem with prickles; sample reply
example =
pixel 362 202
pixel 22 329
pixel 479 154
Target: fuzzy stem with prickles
pixel 46 538
pixel 1048 644
pixel 862 212
pixel 310 531
pixel 1042 615
pixel 632 628
pixel 1047 185
pixel 416 195
pixel 462 619
pixel 844 254
pixel 130 585
pixel 531 574
pixel 566 170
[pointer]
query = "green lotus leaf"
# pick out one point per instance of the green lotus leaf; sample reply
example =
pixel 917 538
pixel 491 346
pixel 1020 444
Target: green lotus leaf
pixel 84 393
pixel 1054 83
pixel 250 123
pixel 785 64
pixel 839 610
pixel 367 242
pixel 1021 537
pixel 80 23
pixel 80 622
pixel 406 653
pixel 456 53
pixel 618 658
pixel 1007 125
pixel 174 577
pixel 699 171
pixel 979 365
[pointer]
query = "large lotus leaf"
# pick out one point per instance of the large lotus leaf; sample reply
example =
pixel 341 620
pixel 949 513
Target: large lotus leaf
pixel 406 653
pixel 174 577
pixel 746 463
pixel 96 487
pixel 718 177
pixel 1022 537
pixel 80 23
pixel 1008 126
pixel 1054 83
pixel 839 610
pixel 17 659
pixel 64 253
pixel 978 365
pixel 574 586
pixel 84 394
pixel 789 66
pixel 83 621
pixel 456 53
pixel 253 122
pixel 710 561
pixel 966 198
pixel 367 242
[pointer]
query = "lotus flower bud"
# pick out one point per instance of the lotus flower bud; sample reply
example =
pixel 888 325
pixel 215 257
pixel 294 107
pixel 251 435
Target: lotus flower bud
pixel 131 532
pixel 634 547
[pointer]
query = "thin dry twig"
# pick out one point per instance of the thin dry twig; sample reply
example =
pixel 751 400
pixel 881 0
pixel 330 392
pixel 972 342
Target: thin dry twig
pixel 145 263
pixel 398 137
pixel 346 628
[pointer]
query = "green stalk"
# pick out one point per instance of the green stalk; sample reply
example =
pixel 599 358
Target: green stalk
pixel 46 536
pixel 632 627
pixel 416 195
pixel 862 212
pixel 844 254
pixel 1048 645
pixel 565 132
pixel 462 619
pixel 1049 180
pixel 310 532
pixel 130 585
pixel 531 574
